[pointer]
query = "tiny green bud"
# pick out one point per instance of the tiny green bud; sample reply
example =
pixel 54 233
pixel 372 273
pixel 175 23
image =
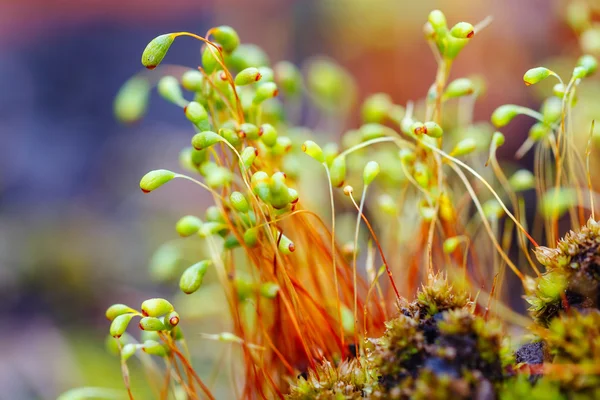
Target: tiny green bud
pixel 212 228
pixel 463 30
pixel 192 80
pixel 267 74
pixel 552 284
pixel 119 324
pixel 426 212
pixel 195 112
pixel 535 75
pixel 407 156
pixel 156 307
pixel 113 345
pixel 559 90
pixel 188 225
pixel 286 246
pixel 492 209
pixel 248 76
pixel 239 202
pixel 579 72
pixel 557 202
pixel 249 131
pixel 131 101
pixel 128 350
pixel 155 179
pixel 464 147
pixel 418 128
pixel 192 277
pixel 264 92
pixel 437 19
pixel 451 244
pixel 292 195
pixel 347 320
pixel 171 320
pixel 231 136
pixel 498 139
pixel 118 309
pixel 588 63
pixel 387 204
pixel 251 237
pixel 268 135
pixel 154 348
pixel 313 150
pixel 504 114
pixel 205 139
pixel 231 242
pixel 459 87
pixel 551 110
pixel 288 78
pixel 522 180
pixel 337 171
pixel 283 145
pixel 209 62
pixel 538 131
pixel 376 107
pixel 227 37
pixel 168 87
pixel 156 50
pixel 247 55
pixel 370 172
pixel 247 157
pixel 269 290
pixel 433 129
pixel 151 324
pixel 422 174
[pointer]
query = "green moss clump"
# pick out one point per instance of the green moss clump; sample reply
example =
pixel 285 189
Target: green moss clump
pixel 348 381
pixel 572 273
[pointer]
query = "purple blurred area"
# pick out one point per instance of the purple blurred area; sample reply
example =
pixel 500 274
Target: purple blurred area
pixel 75 231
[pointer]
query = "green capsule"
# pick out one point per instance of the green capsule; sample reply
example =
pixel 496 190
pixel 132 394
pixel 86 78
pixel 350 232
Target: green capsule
pixel 433 129
pixel 535 75
pixel 451 244
pixel 459 87
pixel 418 128
pixel 251 237
pixel 265 91
pixel 330 151
pixel 131 101
pixel 239 202
pixel 155 179
pixel 188 225
pixel 248 76
pixel 579 73
pixel 504 114
pixel 407 156
pixel 195 112
pixel 192 80
pixel 498 139
pixel 376 107
pixel 214 214
pixel 282 146
pixel 151 324
pixel 231 136
pixel 118 309
pixel 268 135
pixel 209 62
pixel 551 110
pixel 370 172
pixel 557 202
pixel 464 147
pixel 156 307
pixel 522 180
pixel 267 74
pixel 247 157
pixel 171 320
pixel 231 242
pixel 386 203
pixel 422 175
pixel 463 30
pixel 212 228
pixel 313 150
pixel 245 56
pixel 337 171
pixel 113 345
pixel 249 131
pixel 286 246
pixel 154 348
pixel 119 324
pixel 492 209
pixel 539 131
pixel 128 351
pixel 288 78
pixel 269 290
pixel 227 37
pixel 205 139
pixel 156 50
pixel 168 87
pixel 588 63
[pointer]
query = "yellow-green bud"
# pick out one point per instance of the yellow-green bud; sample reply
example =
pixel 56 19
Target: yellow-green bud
pixel 539 131
pixel 156 307
pixel 268 135
pixel 264 92
pixel 156 50
pixel 433 129
pixel 492 209
pixel 251 237
pixel 154 348
pixel 522 180
pixel 192 277
pixel 192 80
pixel 588 63
pixel 248 76
pixel 459 87
pixel 504 114
pixel 132 100
pixel 209 62
pixel 451 244
pixel 535 75
pixel 313 150
pixel 249 131
pixel 407 156
pixel 422 174
pixel 337 171
pixel 227 37
pixel 168 87
pixel 288 78
pixel 239 202
pixel 247 157
pixel 128 350
pixel 551 110
pixel 151 324
pixel 286 246
pixel 155 179
pixel 464 147
pixel 195 112
pixel 557 202
pixel 387 204
pixel 370 172
pixel 376 107
pixel 205 139
pixel 269 290
pixel 463 30
pixel 188 225
pixel 498 139
pixel 119 324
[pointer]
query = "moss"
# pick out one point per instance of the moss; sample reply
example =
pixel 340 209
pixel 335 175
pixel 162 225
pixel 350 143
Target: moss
pixel 572 274
pixel 437 296
pixel 350 380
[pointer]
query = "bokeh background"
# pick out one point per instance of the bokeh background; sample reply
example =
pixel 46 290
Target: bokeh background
pixel 76 233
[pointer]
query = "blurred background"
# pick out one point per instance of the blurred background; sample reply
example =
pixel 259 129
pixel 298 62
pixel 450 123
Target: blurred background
pixel 77 234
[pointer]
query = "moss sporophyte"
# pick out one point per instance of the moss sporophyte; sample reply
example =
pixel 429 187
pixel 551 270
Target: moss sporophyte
pixel 422 217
